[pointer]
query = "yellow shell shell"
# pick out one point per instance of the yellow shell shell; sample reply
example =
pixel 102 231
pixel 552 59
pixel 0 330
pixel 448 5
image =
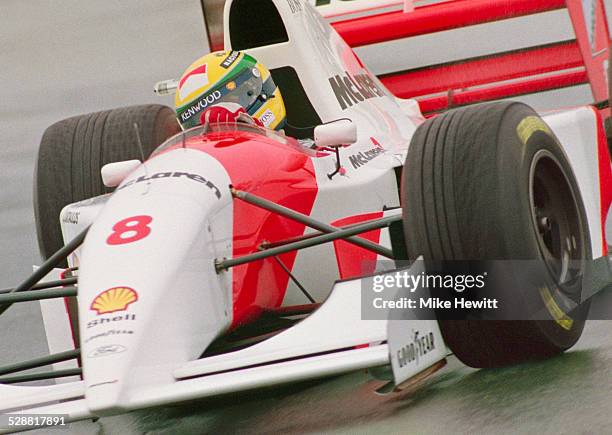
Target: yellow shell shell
pixel 114 299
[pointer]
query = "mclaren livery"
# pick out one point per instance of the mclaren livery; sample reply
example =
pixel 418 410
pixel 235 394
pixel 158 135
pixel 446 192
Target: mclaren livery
pixel 227 257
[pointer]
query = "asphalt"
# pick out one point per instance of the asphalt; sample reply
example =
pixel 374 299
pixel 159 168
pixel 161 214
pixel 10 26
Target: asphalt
pixel 59 59
pixel 568 394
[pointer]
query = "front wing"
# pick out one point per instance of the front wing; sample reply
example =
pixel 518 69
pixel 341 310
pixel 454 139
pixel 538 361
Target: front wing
pixel 332 340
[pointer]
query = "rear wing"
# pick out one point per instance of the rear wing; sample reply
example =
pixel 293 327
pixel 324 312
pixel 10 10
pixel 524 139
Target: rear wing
pixel 582 60
pixel 578 58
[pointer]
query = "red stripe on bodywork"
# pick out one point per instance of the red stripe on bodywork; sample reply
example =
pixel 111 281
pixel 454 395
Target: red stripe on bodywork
pixel 437 18
pixel 504 90
pixel 278 172
pixel 486 70
pixel 353 260
pixel 605 175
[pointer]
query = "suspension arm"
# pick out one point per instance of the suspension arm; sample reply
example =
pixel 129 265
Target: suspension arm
pixel 314 241
pixel 308 221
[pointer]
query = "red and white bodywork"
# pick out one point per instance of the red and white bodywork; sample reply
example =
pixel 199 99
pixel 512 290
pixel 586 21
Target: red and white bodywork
pixel 150 299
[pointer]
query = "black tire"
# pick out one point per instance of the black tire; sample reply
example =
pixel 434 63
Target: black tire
pixel 73 151
pixel 469 184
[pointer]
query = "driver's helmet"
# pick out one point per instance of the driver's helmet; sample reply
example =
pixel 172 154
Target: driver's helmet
pixel 229 77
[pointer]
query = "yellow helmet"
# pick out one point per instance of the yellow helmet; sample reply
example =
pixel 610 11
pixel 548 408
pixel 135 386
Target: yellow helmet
pixel 229 77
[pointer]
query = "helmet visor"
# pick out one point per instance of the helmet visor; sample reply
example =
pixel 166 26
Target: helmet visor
pixel 244 90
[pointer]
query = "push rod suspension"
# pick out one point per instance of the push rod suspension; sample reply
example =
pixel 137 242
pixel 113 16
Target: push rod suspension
pixel 40 376
pixel 314 241
pixel 47 266
pixel 268 245
pixel 308 221
pixel 37 295
pixel 40 362
pixel 48 284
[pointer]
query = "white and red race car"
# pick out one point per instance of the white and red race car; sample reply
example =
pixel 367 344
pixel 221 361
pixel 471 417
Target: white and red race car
pixel 209 269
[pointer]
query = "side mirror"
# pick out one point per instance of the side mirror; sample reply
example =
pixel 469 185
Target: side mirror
pixel 336 133
pixel 114 173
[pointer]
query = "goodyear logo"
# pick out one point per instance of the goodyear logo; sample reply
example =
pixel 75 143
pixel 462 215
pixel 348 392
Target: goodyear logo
pixel 421 345
pixel 562 319
pixel 113 300
pixel 529 125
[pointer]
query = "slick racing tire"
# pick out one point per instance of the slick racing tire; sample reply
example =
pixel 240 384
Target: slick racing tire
pixel 73 151
pixel 492 182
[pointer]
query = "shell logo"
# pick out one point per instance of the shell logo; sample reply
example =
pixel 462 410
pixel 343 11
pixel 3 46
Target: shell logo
pixel 113 300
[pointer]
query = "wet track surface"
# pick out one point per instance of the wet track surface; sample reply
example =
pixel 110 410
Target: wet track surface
pixel 568 394
pixel 77 57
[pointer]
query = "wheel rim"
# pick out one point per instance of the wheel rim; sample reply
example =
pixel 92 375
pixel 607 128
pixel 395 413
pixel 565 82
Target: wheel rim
pixel 557 223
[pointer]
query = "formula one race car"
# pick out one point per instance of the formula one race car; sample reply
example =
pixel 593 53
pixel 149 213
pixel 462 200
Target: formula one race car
pixel 208 269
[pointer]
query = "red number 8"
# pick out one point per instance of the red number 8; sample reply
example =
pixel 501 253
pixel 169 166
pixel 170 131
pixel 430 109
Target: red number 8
pixel 138 225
